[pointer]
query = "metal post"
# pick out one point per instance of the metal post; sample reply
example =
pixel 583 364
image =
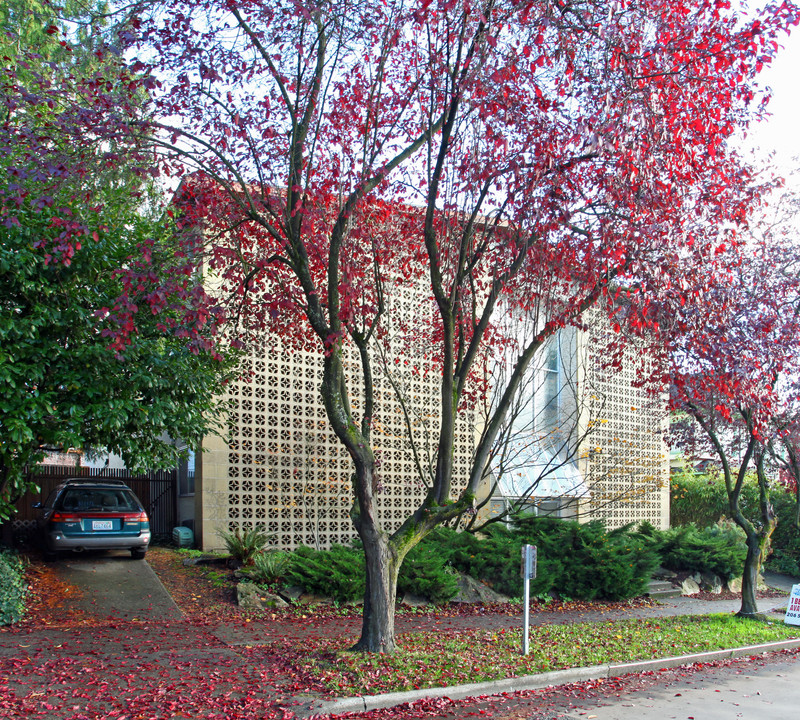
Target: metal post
pixel 529 559
pixel 526 615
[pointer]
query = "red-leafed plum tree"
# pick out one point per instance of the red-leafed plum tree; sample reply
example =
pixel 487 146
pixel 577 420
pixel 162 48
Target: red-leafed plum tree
pixel 494 156
pixel 733 367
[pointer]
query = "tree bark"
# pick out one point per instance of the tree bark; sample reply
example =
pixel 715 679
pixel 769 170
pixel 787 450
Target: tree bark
pixel 752 564
pixel 758 537
pixel 377 625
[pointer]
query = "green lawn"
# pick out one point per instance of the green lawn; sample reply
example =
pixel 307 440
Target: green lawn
pixel 426 660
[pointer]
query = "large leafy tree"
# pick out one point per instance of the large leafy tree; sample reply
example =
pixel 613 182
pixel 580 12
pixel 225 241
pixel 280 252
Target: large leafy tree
pixel 733 366
pixel 497 157
pixel 107 338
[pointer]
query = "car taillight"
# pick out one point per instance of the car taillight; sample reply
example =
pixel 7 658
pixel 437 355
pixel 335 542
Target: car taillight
pixel 135 517
pixel 64 518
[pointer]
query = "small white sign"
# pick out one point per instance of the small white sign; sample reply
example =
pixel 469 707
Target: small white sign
pixel 793 609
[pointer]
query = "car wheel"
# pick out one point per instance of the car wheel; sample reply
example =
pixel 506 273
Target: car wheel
pixel 138 553
pixel 49 555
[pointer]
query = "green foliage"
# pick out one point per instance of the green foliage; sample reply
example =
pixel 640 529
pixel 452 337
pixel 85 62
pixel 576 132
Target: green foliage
pixel 337 573
pixel 786 562
pixel 479 655
pixel 719 549
pixel 270 567
pixel 493 559
pixel 13 588
pixel 244 544
pixel 595 563
pixel 701 500
pixel 424 572
pixel 69 238
pixel 63 386
pixel 785 539
pixel 575 560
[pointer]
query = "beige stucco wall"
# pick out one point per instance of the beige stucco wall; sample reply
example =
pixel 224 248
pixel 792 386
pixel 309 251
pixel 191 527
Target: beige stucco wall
pixel 626 453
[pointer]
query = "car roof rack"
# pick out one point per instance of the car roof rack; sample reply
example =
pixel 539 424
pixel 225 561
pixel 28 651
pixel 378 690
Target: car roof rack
pixel 94 481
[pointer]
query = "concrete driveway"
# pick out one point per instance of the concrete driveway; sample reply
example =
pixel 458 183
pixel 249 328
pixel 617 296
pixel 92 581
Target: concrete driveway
pixel 113 585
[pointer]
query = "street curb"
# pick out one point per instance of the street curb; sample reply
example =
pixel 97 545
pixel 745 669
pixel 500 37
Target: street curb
pixel 365 703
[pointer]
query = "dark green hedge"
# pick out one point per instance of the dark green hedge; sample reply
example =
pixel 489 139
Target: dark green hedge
pixel 13 588
pixel 701 500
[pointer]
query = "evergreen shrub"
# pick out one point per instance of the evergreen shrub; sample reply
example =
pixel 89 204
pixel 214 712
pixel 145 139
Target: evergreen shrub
pixel 591 562
pixel 719 549
pixel 786 538
pixel 701 500
pixel 13 588
pixel 493 558
pixel 425 573
pixel 337 573
pixel 581 561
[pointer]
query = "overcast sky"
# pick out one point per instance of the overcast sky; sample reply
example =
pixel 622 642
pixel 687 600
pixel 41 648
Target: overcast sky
pixel 781 132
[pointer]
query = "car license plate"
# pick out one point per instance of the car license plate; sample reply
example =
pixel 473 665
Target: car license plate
pixel 102 525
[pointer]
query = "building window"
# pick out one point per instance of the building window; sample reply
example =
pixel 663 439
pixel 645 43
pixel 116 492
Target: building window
pixel 550 407
pixel 186 476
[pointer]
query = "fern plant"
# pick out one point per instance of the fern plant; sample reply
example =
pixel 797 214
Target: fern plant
pixel 244 543
pixel 270 566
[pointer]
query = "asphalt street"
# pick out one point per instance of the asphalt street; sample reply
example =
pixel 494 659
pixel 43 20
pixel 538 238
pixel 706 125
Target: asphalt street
pixel 767 692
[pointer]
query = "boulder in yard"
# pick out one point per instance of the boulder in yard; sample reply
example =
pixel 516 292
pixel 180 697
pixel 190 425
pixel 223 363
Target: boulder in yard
pixel 251 597
pixel 471 590
pixel 690 587
pixel 711 583
pixel 413 600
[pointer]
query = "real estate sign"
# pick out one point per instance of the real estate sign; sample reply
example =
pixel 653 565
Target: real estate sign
pixel 793 609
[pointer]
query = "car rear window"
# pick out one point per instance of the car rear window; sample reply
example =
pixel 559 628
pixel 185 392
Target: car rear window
pixel 104 499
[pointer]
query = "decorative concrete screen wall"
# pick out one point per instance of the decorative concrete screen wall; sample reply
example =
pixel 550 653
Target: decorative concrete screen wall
pixel 627 463
pixel 283 468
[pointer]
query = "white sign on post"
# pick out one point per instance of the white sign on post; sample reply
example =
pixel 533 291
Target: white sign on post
pixel 793 609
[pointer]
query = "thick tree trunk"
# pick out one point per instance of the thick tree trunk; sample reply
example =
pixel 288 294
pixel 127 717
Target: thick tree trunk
pixel 382 560
pixel 752 564
pixel 377 626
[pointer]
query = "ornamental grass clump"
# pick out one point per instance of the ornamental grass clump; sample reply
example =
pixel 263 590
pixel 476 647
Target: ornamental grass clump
pixel 270 567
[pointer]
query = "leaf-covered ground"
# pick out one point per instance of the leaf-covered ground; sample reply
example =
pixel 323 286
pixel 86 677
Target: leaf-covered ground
pixel 426 660
pixel 220 663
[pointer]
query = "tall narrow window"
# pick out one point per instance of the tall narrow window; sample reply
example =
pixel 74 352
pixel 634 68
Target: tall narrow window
pixel 551 387
pixel 186 476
